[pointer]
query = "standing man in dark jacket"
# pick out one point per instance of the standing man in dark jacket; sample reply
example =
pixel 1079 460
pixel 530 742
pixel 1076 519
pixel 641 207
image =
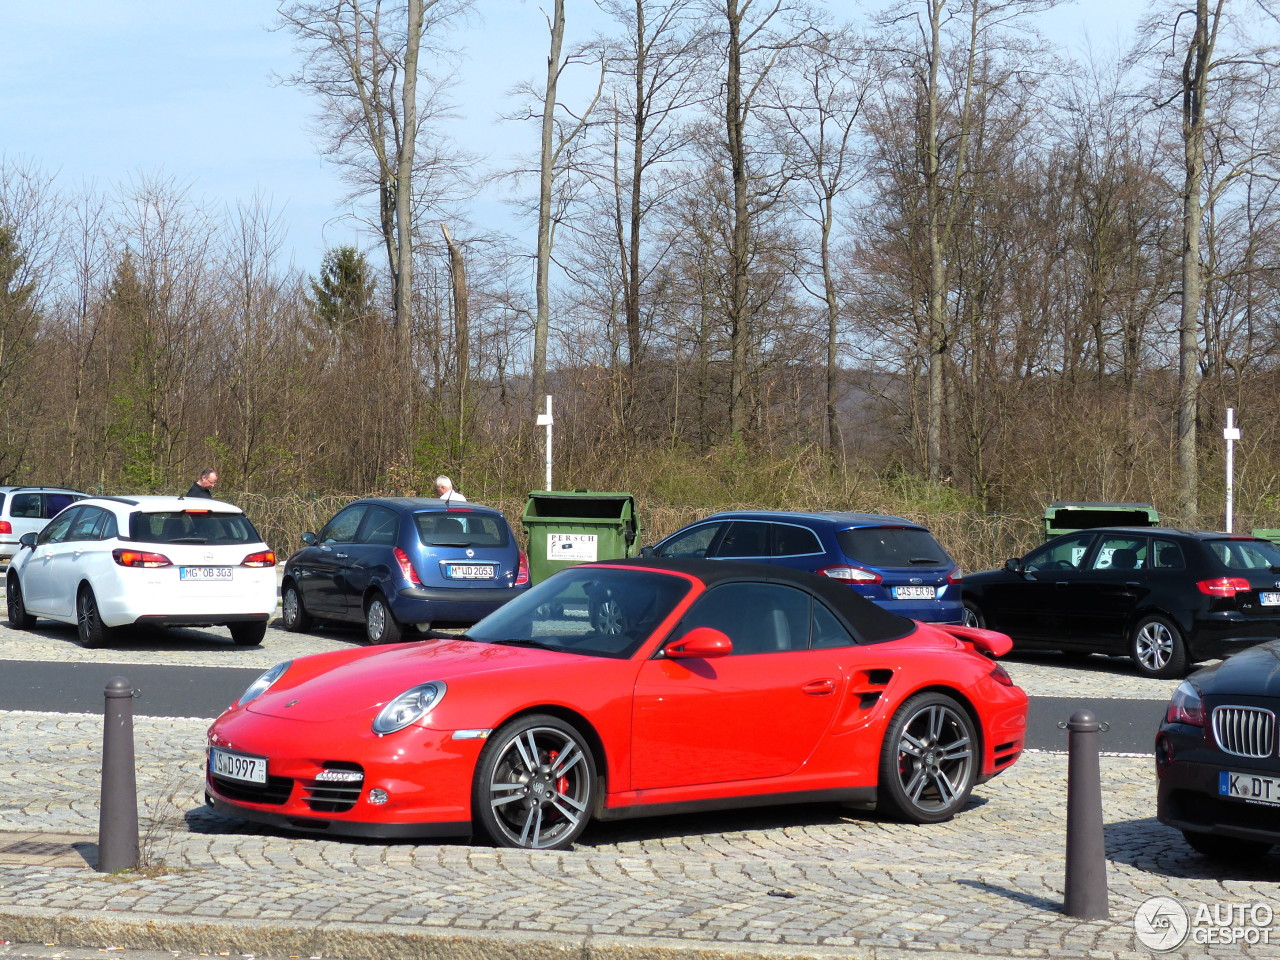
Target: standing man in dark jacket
pixel 204 486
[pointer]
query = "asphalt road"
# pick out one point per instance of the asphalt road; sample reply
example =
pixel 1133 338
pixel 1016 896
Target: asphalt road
pixel 204 692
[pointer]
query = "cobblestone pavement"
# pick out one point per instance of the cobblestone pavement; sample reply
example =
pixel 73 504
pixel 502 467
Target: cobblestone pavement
pixel 811 881
pixel 795 882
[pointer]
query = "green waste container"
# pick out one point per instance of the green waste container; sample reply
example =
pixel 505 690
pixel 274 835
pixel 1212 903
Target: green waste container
pixel 1072 517
pixel 569 527
pixel 1267 534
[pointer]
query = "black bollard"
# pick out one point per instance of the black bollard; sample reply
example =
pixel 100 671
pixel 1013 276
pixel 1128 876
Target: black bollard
pixel 118 814
pixel 1086 893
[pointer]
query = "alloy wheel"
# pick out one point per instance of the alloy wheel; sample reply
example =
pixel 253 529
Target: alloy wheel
pixel 539 791
pixel 935 758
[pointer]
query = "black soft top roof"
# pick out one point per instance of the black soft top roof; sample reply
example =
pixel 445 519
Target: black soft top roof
pixel 870 623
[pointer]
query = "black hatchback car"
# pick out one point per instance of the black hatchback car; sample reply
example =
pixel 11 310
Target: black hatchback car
pixel 395 562
pixel 1166 598
pixel 1218 756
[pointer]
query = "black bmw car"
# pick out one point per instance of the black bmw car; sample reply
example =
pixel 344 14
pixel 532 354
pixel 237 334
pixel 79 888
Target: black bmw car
pixel 1217 756
pixel 1166 598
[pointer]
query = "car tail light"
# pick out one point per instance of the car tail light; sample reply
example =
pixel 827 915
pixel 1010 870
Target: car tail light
pixel 851 574
pixel 406 567
pixel 263 558
pixel 1185 706
pixel 139 558
pixel 1224 586
pixel 955 576
pixel 6 526
pixel 1001 675
pixel 522 572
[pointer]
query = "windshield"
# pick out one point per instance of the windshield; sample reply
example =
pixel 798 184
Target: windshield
pixel 587 610
pixel 460 528
pixel 1240 555
pixel 892 547
pixel 192 526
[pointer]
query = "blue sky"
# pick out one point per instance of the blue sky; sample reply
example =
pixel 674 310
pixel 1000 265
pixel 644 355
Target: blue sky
pixel 104 93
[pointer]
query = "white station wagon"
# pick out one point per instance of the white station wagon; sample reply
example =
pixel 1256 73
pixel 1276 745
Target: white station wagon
pixel 107 562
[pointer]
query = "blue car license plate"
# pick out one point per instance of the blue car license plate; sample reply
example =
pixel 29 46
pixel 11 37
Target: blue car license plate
pixel 469 571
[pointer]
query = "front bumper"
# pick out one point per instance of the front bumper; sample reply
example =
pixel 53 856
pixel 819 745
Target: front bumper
pixel 1188 799
pixel 422 777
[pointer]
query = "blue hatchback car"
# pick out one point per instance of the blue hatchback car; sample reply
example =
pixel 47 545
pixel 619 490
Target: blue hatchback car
pixel 395 562
pixel 891 561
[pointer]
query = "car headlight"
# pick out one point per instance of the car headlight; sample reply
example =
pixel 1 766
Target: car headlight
pixel 1185 706
pixel 263 683
pixel 409 707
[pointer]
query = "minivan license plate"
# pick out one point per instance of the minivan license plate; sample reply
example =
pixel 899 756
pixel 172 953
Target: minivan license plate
pixel 204 573
pixel 237 766
pixel 913 593
pixel 469 571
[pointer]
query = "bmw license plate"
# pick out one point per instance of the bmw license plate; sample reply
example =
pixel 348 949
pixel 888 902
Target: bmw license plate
pixel 204 573
pixel 1270 599
pixel 914 593
pixel 469 571
pixel 237 766
pixel 1249 786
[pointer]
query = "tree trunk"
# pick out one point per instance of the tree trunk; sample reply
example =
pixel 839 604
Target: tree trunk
pixel 546 180
pixel 461 325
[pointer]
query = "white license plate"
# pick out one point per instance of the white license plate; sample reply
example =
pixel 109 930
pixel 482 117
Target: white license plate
pixel 1249 786
pixel 469 571
pixel 1271 599
pixel 237 766
pixel 204 573
pixel 913 593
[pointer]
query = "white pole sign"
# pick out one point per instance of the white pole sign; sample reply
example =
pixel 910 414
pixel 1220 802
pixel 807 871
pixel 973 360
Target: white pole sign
pixel 545 420
pixel 1231 434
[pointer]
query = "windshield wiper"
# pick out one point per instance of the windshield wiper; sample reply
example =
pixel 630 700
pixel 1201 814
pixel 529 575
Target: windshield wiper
pixel 522 642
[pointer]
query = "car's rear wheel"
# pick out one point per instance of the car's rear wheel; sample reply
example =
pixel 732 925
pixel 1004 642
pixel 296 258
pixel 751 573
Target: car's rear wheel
pixel 608 616
pixel 292 612
pixel 247 634
pixel 1157 649
pixel 93 632
pixel 929 760
pixel 380 624
pixel 535 784
pixel 1227 849
pixel 19 619
pixel 973 615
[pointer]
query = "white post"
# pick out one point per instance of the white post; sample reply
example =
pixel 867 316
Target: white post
pixel 1231 434
pixel 545 420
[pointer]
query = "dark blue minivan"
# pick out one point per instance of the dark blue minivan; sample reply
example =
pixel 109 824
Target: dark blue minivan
pixel 891 561
pixel 396 562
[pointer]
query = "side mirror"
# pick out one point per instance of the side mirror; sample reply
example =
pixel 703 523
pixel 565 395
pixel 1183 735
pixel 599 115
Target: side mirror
pixel 700 643
pixel 309 539
pixel 27 539
pixel 1013 565
pixel 647 552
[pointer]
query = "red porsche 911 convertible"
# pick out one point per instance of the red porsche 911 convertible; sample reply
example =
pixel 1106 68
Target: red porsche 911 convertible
pixel 624 689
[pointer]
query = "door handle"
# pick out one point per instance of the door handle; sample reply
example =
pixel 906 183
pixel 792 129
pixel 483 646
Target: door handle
pixel 819 688
pixel 341 556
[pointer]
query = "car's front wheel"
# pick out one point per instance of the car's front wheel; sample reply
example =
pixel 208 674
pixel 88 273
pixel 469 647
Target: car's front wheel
pixel 973 615
pixel 929 760
pixel 247 634
pixel 380 624
pixel 292 612
pixel 93 632
pixel 1157 648
pixel 19 619
pixel 535 784
pixel 1226 849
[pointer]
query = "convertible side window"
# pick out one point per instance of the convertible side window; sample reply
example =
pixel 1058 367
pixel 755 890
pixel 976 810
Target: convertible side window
pixel 756 617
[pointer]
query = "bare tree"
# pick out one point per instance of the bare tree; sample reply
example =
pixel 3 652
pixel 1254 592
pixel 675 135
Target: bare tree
pixel 361 60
